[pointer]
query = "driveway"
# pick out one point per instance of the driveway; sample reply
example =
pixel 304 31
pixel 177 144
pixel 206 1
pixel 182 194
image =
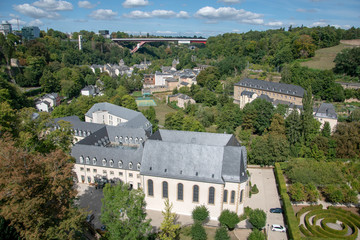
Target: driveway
pixel 267 198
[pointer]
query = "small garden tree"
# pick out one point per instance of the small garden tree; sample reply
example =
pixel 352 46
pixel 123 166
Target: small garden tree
pixel 221 234
pixel 200 214
pixel 229 219
pixel 168 228
pixel 257 218
pixel 256 235
pixel 297 192
pixel 198 232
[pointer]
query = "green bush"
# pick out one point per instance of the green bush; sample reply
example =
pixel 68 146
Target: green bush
pixel 257 218
pixel 186 231
pixel 256 235
pixel 200 214
pixel 254 189
pixel 198 232
pixel 307 209
pixel 222 234
pixel 229 219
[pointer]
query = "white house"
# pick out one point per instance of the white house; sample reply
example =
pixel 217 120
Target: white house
pixel 326 113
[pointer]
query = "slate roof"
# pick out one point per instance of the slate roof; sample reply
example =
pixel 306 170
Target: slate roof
pixel 250 94
pixel 195 156
pixel 79 125
pixel 170 79
pixel 326 110
pixel 282 88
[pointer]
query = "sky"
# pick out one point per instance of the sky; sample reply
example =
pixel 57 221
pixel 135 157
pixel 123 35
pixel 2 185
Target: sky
pixel 179 17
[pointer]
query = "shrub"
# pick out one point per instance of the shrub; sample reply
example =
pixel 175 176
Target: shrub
pixel 186 231
pixel 229 219
pixel 297 192
pixel 254 189
pixel 200 214
pixel 222 234
pixel 256 235
pixel 258 218
pixel 198 232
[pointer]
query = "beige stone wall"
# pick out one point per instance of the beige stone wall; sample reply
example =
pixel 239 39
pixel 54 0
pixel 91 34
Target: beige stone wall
pixel 331 121
pixel 171 85
pixel 182 102
pixel 103 117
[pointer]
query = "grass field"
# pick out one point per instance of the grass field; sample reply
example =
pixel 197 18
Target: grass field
pixel 324 58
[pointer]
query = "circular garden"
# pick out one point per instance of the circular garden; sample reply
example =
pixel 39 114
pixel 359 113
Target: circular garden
pixel 328 223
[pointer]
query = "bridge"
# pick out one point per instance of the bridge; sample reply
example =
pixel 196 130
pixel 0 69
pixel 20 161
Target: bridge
pixel 142 41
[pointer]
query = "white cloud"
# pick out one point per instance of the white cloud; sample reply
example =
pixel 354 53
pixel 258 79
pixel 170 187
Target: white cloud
pixel 53 5
pixel 86 4
pixel 319 24
pixel 34 12
pixel 14 22
pixel 230 1
pixel 35 22
pixel 256 21
pixel 135 3
pixel 306 10
pixel 156 14
pixel 165 32
pixel 103 14
pixel 13 15
pixel 275 24
pixel 228 13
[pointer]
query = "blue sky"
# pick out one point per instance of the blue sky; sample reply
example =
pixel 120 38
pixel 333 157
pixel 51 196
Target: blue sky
pixel 179 17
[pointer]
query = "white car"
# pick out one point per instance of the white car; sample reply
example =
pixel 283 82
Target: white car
pixel 278 228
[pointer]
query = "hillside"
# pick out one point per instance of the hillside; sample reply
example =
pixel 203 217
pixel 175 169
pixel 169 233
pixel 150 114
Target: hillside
pixel 324 58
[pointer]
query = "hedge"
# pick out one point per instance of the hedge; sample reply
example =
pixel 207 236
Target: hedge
pixel 290 219
pixel 307 209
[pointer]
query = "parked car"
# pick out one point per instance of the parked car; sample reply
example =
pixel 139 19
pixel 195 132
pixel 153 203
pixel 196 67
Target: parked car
pixel 278 228
pixel 90 217
pixel 276 210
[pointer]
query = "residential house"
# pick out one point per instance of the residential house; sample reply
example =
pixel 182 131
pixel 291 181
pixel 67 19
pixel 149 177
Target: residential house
pixel 47 102
pixel 326 113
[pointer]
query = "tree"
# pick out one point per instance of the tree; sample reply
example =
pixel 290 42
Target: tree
pixel 168 228
pixel 348 62
pixel 7 232
pixel 326 130
pixel 347 137
pixel 307 118
pixel 198 232
pixel 200 214
pixel 304 46
pixel 228 219
pixel 257 218
pixel 311 192
pixel 174 121
pixel 8 118
pixel 297 192
pixel 222 234
pixel 256 235
pixel 123 212
pixel 128 101
pixel 37 192
pixel 49 83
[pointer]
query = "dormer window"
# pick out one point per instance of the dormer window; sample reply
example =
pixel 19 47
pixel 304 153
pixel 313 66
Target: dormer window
pixel 130 165
pixel 81 159
pixel 87 160
pixel 120 164
pixel 136 140
pixel 116 139
pixel 111 163
pixel 94 161
pixel 138 166
pixel 141 140
pixel 104 162
pixel 196 173
pixel 76 132
pixel 130 140
pixel 126 139
pixel 120 139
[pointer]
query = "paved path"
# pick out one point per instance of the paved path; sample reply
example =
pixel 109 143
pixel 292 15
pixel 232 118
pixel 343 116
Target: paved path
pixel 267 198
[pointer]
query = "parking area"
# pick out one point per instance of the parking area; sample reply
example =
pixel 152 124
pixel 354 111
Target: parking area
pixel 267 198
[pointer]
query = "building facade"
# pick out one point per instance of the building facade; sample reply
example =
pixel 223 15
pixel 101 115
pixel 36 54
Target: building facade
pixel 326 113
pixel 30 33
pixel 5 28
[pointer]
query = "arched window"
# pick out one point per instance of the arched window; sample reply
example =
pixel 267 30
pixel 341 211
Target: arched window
pixel 130 139
pixel 120 164
pixel 180 195
pixel 196 193
pixel 94 161
pixel 141 140
pixel 241 195
pixel 130 165
pixel 138 166
pixel 165 190
pixel 120 139
pixel 150 187
pixel 136 140
pixel 104 162
pixel 81 159
pixel 232 197
pixel 111 163
pixel 87 160
pixel 225 195
pixel 211 195
pixel 126 139
pixel 116 139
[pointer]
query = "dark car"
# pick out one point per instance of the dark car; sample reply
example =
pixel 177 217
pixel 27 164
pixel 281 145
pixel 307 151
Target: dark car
pixel 276 210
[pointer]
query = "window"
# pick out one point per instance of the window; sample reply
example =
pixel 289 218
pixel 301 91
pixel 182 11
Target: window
pixel 130 175
pixel 225 195
pixel 81 159
pixel 126 139
pixel 120 173
pixel 94 171
pixel 196 193
pixel 120 164
pixel 89 179
pixel 111 163
pixel 138 166
pixel 136 140
pixel 165 190
pixel 104 162
pixel 211 195
pixel 116 139
pixel 232 197
pixel 139 185
pixel 130 165
pixel 180 195
pixel 104 172
pixel 88 169
pixel 137 175
pixel 81 169
pixel 241 195
pixel 150 188
pixel 120 139
pixel 94 161
pixel 87 160
pixel 130 139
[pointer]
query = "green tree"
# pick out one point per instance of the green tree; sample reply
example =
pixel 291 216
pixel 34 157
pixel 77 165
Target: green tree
pixel 297 192
pixel 307 118
pixel 228 219
pixel 311 192
pixel 49 83
pixel 8 118
pixel 348 62
pixel 174 121
pixel 123 212
pixel 198 232
pixel 128 101
pixel 8 232
pixel 209 78
pixel 326 130
pixel 347 137
pixel 168 229
pixel 256 235
pixel 222 234
pixel 200 214
pixel 257 218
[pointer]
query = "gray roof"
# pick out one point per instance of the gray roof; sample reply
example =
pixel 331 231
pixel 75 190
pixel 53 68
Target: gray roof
pixel 250 94
pixel 184 96
pixel 326 110
pixel 266 97
pixel 204 157
pixel 170 79
pixel 282 88
pixel 184 83
pixel 79 125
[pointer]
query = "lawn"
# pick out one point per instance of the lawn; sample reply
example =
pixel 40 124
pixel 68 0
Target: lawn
pixel 324 58
pixel 210 232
